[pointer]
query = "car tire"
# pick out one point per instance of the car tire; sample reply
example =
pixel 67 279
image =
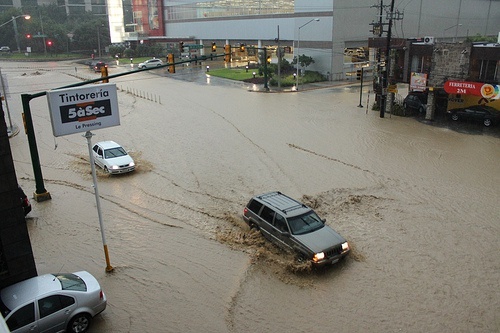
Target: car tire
pixel 79 323
pixel 106 169
pixel 454 116
pixel 421 109
pixel 487 122
pixel 253 226
pixel 405 106
pixel 300 257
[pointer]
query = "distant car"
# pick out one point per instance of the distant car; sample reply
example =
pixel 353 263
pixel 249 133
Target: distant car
pixel 24 201
pixel 98 65
pixel 295 227
pixel 417 101
pixel 151 63
pixel 5 49
pixel 112 158
pixel 53 303
pixel 484 113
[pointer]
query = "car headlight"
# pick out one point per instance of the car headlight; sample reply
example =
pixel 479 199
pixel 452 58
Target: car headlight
pixel 318 256
pixel 115 167
pixel 131 164
pixel 345 246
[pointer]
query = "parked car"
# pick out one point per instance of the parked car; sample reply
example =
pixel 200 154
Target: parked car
pixel 484 113
pixel 112 157
pixel 25 202
pixel 5 49
pixel 295 227
pixel 151 63
pixel 98 65
pixel 52 303
pixel 416 100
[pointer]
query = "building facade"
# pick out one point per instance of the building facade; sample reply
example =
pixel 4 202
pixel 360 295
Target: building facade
pixel 342 23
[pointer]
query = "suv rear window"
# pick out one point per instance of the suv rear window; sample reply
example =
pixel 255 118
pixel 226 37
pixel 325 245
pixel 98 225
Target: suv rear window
pixel 254 206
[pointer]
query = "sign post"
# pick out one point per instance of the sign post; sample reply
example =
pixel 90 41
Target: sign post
pixel 89 135
pixel 76 110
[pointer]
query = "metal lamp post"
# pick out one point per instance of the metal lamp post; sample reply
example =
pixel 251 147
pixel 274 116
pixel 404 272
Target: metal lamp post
pixel 298 49
pixel 456 32
pixel 99 26
pixel 16 35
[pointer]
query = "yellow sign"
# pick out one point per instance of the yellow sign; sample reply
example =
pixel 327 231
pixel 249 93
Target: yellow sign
pixel 392 88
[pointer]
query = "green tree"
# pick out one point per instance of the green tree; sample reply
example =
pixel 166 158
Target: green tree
pixel 480 38
pixel 303 60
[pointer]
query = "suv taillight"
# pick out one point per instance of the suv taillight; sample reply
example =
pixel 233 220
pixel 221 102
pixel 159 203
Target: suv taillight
pixel 245 211
pixel 101 295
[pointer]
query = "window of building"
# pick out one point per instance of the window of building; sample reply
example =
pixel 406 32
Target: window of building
pixel 223 8
pixel 483 70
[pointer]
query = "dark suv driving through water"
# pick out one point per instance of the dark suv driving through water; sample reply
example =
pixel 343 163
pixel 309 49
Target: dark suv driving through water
pixel 295 227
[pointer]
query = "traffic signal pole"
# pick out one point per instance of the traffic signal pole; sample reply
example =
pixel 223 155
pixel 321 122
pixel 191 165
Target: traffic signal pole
pixel 361 88
pixel 41 193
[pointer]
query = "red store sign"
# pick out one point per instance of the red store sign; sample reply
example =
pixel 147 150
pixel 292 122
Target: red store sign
pixel 485 90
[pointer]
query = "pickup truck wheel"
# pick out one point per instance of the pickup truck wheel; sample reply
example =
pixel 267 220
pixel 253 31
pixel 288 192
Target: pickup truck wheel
pixel 487 122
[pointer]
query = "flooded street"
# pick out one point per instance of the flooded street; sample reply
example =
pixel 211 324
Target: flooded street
pixel 418 203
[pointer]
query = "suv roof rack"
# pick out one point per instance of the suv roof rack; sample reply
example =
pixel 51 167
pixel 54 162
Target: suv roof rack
pixel 282 202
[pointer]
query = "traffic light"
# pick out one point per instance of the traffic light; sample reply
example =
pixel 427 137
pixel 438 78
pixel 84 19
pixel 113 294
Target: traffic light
pixel 242 47
pixel 28 36
pixel 104 73
pixel 359 72
pixel 214 47
pixel 227 53
pixel 49 43
pixel 181 47
pixel 268 59
pixel 170 60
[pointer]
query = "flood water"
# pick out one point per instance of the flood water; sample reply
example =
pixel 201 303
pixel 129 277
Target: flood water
pixel 418 203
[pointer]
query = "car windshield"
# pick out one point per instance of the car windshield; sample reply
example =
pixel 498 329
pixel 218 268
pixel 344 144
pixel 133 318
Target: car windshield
pixel 71 282
pixel 304 224
pixel 114 152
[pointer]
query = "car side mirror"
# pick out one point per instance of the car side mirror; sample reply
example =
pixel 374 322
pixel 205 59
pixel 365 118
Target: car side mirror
pixel 323 220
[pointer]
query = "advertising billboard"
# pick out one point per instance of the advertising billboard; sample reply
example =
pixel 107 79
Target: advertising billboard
pixel 82 109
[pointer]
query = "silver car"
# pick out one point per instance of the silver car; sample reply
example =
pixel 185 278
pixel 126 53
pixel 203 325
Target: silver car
pixel 52 303
pixel 112 157
pixel 151 63
pixel 295 227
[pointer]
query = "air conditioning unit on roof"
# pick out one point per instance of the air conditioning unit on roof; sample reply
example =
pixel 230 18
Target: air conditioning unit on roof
pixel 428 40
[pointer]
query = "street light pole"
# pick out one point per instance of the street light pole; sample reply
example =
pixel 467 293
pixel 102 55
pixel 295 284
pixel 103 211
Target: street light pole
pixel 99 41
pixel 453 26
pixel 298 50
pixel 16 35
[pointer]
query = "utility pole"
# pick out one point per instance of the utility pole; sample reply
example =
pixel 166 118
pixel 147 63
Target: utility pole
pixel 279 58
pixel 387 61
